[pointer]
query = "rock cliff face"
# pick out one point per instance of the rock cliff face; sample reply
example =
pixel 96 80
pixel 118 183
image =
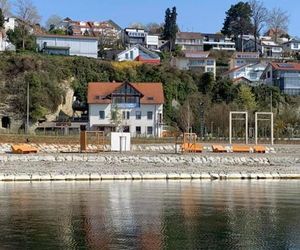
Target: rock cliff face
pixel 66 106
pixel 12 121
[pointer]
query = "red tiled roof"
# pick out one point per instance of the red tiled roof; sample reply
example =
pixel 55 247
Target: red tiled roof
pixel 241 79
pixel 289 66
pixel 145 60
pixel 147 89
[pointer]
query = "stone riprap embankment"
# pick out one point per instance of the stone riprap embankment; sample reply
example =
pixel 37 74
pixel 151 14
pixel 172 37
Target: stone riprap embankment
pixel 159 148
pixel 147 162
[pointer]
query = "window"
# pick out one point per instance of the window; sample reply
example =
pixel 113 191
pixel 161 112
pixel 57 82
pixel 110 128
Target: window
pixel 296 45
pixel 253 75
pixel 131 54
pixel 149 115
pixel 210 69
pixel 126 55
pixel 210 62
pixel 126 115
pixel 102 114
pixel 138 130
pixel 138 115
pixel 268 74
pixel 149 130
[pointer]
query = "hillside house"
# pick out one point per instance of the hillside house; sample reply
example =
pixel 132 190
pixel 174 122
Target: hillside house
pixel 67 45
pixel 195 60
pixel 286 76
pixel 132 107
pixel 217 42
pixel 190 41
pixel 140 54
pixel 239 59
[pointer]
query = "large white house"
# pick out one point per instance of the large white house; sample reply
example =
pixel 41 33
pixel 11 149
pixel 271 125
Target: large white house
pixel 68 45
pixel 134 107
pixel 5 44
pixel 138 53
pixel 249 73
pixel 195 60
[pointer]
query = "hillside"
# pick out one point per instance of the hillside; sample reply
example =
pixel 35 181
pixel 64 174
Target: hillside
pixel 50 77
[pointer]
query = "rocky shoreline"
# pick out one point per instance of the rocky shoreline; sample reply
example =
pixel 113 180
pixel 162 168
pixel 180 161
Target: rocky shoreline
pixel 155 162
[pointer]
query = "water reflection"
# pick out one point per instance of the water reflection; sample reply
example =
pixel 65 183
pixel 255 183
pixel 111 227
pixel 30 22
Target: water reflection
pixel 151 215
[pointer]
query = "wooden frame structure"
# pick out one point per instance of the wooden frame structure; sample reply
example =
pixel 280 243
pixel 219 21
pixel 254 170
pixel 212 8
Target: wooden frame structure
pixel 190 144
pixel 244 113
pixel 84 141
pixel 271 119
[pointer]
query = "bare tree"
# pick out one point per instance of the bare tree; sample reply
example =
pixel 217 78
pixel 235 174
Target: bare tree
pixel 28 16
pixel 27 12
pixel 137 26
pixel 278 21
pixel 5 5
pixel 53 21
pixel 154 28
pixel 259 18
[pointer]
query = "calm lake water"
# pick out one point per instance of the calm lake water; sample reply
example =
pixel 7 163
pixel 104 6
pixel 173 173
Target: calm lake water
pixel 150 215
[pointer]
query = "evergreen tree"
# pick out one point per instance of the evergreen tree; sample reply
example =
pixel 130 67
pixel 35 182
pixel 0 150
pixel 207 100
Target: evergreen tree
pixel 1 19
pixel 170 28
pixel 167 28
pixel 238 22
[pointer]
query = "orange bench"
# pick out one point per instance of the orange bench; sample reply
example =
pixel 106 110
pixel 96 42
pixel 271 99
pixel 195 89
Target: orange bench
pixel 218 149
pixel 240 149
pixel 259 149
pixel 192 147
pixel 23 149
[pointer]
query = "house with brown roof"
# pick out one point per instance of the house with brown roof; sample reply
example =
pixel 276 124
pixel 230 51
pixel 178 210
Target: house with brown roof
pixel 129 107
pixel 189 41
pixel 285 76
pixel 239 59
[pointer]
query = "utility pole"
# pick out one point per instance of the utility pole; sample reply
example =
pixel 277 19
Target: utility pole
pixel 188 117
pixel 27 111
pixel 271 101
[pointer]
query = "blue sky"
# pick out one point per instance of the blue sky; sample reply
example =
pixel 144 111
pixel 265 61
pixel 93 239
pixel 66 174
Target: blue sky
pixel 193 15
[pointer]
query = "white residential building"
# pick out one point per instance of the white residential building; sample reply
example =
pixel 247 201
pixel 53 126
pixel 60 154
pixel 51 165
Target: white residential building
pixel 133 36
pixel 266 47
pixel 189 41
pixel 217 42
pixel 134 107
pixel 68 45
pixel 250 73
pixel 292 46
pixel 195 60
pixel 138 53
pixel 239 59
pixel 152 42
